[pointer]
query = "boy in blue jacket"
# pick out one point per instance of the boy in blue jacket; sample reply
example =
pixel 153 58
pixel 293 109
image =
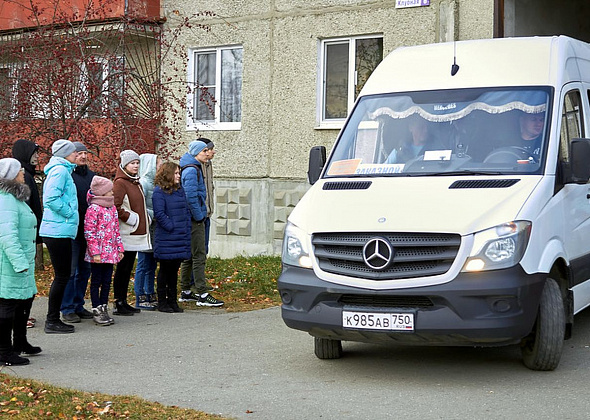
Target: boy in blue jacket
pixel 196 194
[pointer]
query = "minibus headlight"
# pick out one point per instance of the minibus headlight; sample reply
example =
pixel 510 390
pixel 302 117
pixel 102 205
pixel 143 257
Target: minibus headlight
pixel 499 247
pixel 295 247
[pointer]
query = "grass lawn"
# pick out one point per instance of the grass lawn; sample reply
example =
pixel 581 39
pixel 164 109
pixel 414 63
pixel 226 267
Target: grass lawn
pixel 26 399
pixel 243 283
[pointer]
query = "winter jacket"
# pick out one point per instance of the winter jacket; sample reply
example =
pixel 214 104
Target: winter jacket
pixel 147 173
pixel 208 174
pixel 18 229
pixel 60 204
pixel 133 217
pixel 82 177
pixel 194 186
pixel 101 230
pixel 173 225
pixel 23 150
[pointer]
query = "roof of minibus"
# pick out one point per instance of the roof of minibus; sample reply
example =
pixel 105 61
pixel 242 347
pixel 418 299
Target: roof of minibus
pixel 532 61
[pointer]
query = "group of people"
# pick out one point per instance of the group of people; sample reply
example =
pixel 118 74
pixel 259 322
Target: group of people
pixel 154 211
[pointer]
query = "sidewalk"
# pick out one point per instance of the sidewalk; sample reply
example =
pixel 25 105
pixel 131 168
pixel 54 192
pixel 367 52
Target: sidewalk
pixel 204 359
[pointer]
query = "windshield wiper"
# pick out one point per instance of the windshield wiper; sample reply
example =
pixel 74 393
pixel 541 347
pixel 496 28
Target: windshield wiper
pixel 455 173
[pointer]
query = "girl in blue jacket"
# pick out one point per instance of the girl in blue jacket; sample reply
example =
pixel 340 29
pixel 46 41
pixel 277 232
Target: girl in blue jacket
pixel 172 242
pixel 59 226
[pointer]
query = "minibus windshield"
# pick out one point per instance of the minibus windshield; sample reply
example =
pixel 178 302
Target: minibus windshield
pixel 451 132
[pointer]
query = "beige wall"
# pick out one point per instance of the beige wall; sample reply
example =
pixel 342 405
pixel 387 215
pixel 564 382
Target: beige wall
pixel 267 159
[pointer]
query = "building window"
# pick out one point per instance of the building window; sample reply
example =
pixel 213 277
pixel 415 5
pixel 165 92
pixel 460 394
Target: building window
pixel 215 80
pixel 346 64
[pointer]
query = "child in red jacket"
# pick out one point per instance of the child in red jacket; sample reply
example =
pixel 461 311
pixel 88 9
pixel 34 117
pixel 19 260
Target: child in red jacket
pixel 105 247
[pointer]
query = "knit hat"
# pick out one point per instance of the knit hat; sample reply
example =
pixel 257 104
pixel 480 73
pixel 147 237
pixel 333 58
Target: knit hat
pixel 63 148
pixel 80 147
pixel 195 147
pixel 9 168
pixel 128 156
pixel 100 185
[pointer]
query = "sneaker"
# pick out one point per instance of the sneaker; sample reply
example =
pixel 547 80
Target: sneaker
pixel 105 310
pixel 72 318
pixel 144 303
pixel 13 359
pixel 58 327
pixel 98 317
pixel 153 298
pixel 85 314
pixel 31 322
pixel 207 300
pixel 188 297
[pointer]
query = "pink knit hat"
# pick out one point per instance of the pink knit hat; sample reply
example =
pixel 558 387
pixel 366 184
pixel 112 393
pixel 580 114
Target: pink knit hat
pixel 100 185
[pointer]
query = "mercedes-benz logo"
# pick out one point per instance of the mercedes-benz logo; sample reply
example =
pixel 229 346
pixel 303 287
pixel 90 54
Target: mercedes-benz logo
pixel 378 253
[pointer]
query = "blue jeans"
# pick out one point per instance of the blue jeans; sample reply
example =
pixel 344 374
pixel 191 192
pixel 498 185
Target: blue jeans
pixel 145 274
pixel 73 300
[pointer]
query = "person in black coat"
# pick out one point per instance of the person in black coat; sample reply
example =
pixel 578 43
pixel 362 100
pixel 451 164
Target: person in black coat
pixel 72 304
pixel 27 153
pixel 172 239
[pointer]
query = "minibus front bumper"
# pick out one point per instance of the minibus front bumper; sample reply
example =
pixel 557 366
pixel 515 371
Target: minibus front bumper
pixel 487 308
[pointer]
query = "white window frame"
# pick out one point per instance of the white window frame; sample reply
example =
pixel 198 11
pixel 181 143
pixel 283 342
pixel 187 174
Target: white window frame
pixel 216 124
pixel 337 123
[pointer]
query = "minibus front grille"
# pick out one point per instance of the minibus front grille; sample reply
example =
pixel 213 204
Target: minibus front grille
pixel 415 254
pixel 380 301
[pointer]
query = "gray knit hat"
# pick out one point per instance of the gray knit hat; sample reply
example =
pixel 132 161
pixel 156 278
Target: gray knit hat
pixel 80 146
pixel 128 156
pixel 63 148
pixel 9 168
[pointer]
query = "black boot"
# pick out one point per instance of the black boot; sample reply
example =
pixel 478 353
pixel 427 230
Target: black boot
pixel 13 359
pixel 174 305
pixel 19 340
pixel 120 309
pixel 130 308
pixel 164 307
pixel 26 348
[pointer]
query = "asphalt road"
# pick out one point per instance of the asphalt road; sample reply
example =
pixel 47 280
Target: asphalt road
pixel 251 366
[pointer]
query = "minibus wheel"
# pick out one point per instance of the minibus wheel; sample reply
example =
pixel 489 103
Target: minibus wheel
pixel 327 349
pixel 541 349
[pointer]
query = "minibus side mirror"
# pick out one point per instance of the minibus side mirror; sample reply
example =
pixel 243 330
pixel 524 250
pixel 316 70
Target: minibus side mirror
pixel 317 160
pixel 580 160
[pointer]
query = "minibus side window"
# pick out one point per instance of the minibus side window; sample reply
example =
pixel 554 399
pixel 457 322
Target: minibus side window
pixel 572 126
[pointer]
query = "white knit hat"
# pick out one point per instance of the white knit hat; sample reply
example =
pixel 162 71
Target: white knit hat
pixel 9 168
pixel 128 156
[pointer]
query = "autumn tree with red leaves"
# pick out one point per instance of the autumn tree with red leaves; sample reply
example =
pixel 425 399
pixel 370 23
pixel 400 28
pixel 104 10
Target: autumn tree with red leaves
pixel 82 76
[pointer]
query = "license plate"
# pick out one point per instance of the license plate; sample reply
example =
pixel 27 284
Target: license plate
pixel 378 321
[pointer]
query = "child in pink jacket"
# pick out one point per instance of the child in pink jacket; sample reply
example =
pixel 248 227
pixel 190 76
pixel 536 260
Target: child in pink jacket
pixel 105 247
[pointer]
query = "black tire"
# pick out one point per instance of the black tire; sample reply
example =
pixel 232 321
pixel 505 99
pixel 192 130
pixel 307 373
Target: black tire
pixel 327 349
pixel 541 350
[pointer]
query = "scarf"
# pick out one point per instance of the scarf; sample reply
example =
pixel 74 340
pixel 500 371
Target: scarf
pixel 101 200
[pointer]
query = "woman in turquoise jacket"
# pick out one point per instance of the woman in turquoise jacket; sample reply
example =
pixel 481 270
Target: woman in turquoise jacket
pixel 59 226
pixel 18 226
